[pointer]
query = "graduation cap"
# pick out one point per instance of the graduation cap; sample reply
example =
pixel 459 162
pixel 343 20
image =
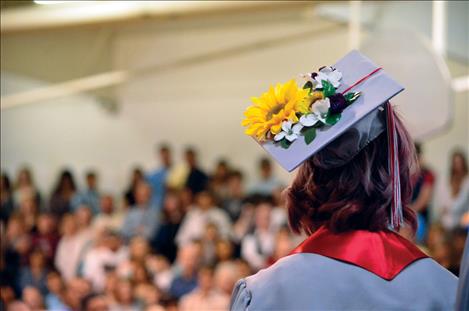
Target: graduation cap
pixel 338 111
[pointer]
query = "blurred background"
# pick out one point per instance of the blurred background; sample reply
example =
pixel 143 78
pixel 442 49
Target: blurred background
pixel 127 181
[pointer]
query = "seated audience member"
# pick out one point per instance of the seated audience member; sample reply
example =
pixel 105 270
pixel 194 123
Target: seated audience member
pixel 224 251
pixel 195 221
pixel 460 208
pixel 35 274
pixel 218 182
pixel 163 241
pixel 125 299
pixel 108 219
pixel 7 204
pixel 129 195
pixel 422 194
pixel 29 211
pixel 157 179
pixel 76 290
pixel 70 248
pixel 106 254
pixel 64 191
pixel 46 237
pixel 25 187
pixel 32 298
pixel 197 180
pixel 160 269
pixel 94 302
pixel 90 196
pixel 188 260
pixel 148 295
pixel 283 245
pixel 226 276
pixel 257 247
pixel 267 182
pixel 204 296
pixel 143 219
pixel 55 298
pixel 448 194
pixel 234 197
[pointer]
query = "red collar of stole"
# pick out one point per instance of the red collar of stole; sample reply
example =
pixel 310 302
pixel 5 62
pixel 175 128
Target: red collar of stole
pixel 383 253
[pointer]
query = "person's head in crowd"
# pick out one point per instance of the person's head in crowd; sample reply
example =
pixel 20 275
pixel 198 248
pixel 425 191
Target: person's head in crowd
pixel 138 249
pixel 124 293
pixel 190 156
pixel 458 170
pixel 137 175
pixel 28 207
pixel 222 170
pixel 224 250
pixel 110 284
pixel 265 168
pixel 65 184
pixel 157 263
pixel 235 184
pixel 107 204
pixel 83 216
pixel 140 273
pixel 5 188
pixel 15 228
pixel 211 232
pixel 91 180
pixel 142 194
pixel 205 200
pixel 263 215
pixel 172 206
pixel 32 298
pixel 188 258
pixel 25 178
pixel 187 198
pixel 164 154
pixel 354 195
pixel 205 279
pixel 283 244
pixel 76 289
pixel 148 294
pixel 54 282
pixel 111 240
pixel 7 295
pixel 94 302
pixel 243 268
pixel 37 259
pixel 68 225
pixel 226 275
pixel 46 224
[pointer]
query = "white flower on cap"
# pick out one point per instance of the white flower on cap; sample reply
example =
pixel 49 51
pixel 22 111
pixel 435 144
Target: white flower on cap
pixel 289 131
pixel 327 73
pixel 319 111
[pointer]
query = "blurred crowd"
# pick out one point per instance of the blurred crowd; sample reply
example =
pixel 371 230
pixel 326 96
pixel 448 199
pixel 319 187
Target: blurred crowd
pixel 178 238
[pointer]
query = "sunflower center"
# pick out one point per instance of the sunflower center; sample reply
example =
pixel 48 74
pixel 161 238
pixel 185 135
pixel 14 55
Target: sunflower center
pixel 274 111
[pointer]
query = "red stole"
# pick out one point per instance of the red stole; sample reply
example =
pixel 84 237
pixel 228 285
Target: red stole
pixel 384 253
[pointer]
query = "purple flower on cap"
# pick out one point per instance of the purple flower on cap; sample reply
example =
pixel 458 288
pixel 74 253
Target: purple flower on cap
pixel 338 103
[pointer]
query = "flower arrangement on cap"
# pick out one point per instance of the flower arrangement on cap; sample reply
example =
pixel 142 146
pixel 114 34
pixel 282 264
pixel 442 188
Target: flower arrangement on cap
pixel 286 112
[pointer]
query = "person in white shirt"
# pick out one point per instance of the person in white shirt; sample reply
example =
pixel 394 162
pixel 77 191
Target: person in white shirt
pixel 205 212
pixel 257 247
pixel 109 218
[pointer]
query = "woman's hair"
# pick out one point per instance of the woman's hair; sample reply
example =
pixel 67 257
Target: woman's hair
pixel 457 177
pixel 357 195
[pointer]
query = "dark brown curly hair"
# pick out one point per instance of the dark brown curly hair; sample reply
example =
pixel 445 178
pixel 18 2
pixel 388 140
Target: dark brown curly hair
pixel 357 195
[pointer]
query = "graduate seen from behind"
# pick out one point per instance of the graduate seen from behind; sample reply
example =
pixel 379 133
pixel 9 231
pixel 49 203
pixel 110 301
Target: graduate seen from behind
pixel 351 196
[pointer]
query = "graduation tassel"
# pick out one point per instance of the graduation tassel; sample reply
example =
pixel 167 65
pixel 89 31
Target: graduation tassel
pixel 397 217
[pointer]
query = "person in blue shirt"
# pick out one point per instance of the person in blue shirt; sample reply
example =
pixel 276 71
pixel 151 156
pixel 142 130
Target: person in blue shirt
pixel 157 178
pixel 143 219
pixel 90 196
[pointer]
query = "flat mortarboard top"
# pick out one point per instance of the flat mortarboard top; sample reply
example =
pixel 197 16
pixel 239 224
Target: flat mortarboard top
pixel 376 88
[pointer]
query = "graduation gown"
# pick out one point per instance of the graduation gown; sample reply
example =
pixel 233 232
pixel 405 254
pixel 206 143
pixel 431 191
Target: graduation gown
pixel 357 270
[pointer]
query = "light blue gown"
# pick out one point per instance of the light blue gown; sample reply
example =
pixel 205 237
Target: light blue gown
pixel 309 281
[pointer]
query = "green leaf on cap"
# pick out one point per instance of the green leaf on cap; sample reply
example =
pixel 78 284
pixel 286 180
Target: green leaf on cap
pixel 351 97
pixel 310 134
pixel 327 88
pixel 333 118
pixel 285 143
pixel 308 85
